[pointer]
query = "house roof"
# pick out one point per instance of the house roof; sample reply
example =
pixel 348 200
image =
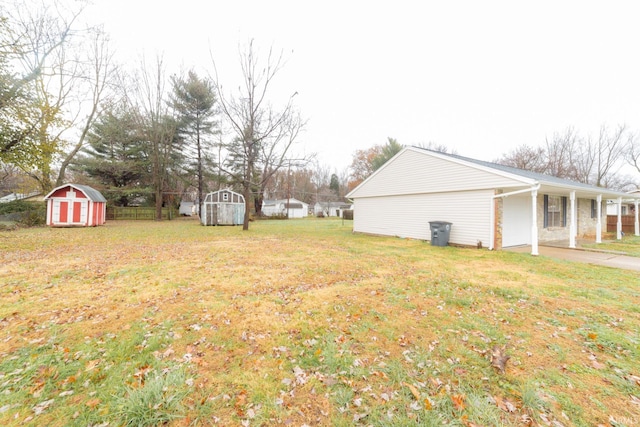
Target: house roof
pixel 293 203
pixel 539 177
pixel 332 204
pixel 18 196
pixel 91 193
pixel 527 178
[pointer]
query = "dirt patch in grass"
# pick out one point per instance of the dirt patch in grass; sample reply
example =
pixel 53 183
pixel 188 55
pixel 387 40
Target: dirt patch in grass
pixel 303 322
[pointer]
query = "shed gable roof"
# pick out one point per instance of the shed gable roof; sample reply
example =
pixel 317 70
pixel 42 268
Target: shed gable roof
pixel 91 193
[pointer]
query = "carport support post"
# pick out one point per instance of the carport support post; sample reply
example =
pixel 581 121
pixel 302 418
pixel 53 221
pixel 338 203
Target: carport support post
pixel 637 224
pixel 599 220
pixel 572 223
pixel 619 225
pixel 534 222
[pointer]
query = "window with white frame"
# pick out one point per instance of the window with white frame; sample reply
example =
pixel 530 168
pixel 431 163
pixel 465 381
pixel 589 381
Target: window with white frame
pixel 555 211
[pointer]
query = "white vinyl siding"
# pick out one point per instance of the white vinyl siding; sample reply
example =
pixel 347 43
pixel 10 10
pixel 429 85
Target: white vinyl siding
pixel 413 172
pixel 408 216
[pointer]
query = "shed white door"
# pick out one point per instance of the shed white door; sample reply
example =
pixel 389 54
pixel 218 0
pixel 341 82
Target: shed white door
pixel 70 211
pixel 516 220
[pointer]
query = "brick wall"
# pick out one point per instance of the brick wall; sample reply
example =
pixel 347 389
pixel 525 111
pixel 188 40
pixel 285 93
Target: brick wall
pixel 586 226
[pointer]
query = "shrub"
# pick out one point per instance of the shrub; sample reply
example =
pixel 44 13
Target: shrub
pixel 26 214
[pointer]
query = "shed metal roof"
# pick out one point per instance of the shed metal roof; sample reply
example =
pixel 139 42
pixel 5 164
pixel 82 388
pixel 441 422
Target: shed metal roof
pixel 91 193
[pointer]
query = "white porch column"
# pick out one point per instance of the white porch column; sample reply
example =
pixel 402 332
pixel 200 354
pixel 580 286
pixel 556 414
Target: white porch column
pixel 637 224
pixel 599 221
pixel 534 222
pixel 572 221
pixel 619 225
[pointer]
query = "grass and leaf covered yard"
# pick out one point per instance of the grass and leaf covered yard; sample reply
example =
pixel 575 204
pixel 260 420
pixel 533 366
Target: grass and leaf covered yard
pixel 302 322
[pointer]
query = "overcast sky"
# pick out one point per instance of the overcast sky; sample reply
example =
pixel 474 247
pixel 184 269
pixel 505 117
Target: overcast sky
pixel 480 77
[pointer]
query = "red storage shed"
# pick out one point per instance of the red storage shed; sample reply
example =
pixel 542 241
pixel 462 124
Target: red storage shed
pixel 75 205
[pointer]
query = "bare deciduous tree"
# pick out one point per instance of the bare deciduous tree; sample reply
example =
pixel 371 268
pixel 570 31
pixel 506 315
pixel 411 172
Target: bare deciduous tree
pixel 41 34
pixel 156 125
pixel 96 73
pixel 560 153
pixel 263 136
pixel 571 156
pixel 526 158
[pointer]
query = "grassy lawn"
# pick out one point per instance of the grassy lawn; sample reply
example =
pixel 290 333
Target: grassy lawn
pixel 629 244
pixel 304 323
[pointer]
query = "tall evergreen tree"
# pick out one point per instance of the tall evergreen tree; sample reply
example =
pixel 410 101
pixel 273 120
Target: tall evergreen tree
pixel 194 101
pixel 116 157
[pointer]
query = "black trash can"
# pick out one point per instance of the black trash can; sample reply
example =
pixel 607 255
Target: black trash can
pixel 440 233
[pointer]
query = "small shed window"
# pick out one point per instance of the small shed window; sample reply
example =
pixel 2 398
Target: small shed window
pixel 555 211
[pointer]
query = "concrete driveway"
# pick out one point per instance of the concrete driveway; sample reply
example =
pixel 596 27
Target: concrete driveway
pixel 607 259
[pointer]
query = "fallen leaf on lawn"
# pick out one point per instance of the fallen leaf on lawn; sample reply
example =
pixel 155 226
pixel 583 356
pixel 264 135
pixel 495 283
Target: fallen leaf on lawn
pixel 635 400
pixel 379 374
pixel 633 379
pixel 436 382
pixel 241 399
pixel 458 401
pixel 592 336
pixel 504 404
pixel 142 372
pixel 414 390
pixel 499 358
pixel 92 364
pixel 597 365
pixel 427 405
pixel 93 403
pixel 42 406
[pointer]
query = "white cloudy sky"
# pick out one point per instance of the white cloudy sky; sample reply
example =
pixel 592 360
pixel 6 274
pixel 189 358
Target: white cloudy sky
pixel 480 77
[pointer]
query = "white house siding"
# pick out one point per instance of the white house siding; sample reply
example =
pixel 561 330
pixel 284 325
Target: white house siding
pixel 408 216
pixel 413 172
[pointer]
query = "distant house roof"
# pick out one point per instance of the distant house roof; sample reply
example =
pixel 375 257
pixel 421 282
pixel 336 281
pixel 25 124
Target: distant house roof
pixel 91 193
pixel 290 203
pixel 333 204
pixel 18 196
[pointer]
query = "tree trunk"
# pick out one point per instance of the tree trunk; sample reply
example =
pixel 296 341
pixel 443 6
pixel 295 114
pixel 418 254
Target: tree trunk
pixel 246 192
pixel 258 204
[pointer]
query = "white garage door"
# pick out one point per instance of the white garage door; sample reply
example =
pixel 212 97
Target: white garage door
pixel 516 221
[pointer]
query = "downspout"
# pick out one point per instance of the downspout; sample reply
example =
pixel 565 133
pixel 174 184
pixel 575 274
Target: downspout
pixel 534 225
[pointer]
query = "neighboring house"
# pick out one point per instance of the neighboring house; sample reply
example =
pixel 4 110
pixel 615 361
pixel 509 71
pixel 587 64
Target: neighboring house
pixel 187 208
pixel 74 205
pixel 488 204
pixel 330 208
pixel 223 207
pixel 627 207
pixel 33 196
pixel 287 208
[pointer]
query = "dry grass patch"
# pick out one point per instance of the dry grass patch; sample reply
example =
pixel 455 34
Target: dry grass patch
pixel 302 322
